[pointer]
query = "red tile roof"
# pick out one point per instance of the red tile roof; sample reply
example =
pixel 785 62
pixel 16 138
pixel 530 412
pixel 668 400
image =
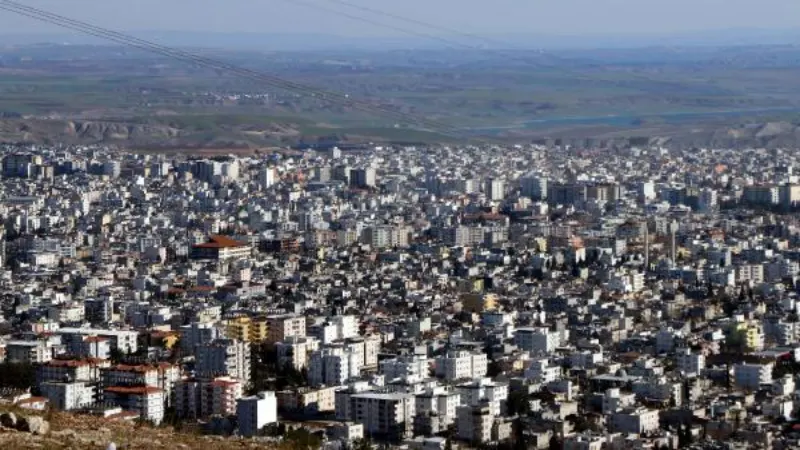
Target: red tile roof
pixel 67 363
pixel 124 415
pixel 219 241
pixel 127 368
pixel 30 400
pixel 136 390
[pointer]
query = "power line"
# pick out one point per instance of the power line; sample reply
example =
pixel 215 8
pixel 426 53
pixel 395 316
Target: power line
pixel 420 22
pixel 270 80
pixel 434 37
pixel 443 39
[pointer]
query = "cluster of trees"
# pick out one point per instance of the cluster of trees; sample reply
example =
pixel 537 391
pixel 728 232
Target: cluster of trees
pixel 266 373
pixel 17 375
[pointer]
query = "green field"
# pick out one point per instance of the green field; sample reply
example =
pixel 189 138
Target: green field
pixel 460 90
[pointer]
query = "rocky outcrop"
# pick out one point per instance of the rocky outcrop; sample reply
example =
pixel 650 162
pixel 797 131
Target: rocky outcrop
pixel 8 420
pixel 34 425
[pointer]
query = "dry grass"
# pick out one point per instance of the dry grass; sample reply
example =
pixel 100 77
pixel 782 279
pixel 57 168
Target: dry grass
pixel 80 432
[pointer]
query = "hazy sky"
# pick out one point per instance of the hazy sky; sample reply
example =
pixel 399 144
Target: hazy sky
pixel 568 17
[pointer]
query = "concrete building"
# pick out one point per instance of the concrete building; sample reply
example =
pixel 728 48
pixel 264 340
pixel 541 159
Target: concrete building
pixel 406 367
pixel 752 376
pixel 363 178
pixel 458 365
pixel 390 415
pixel 256 411
pixel 537 340
pixel 333 366
pixel 295 351
pixel 475 424
pixel 223 357
pixel 283 326
pixel 246 329
pixel 147 401
pixel 66 396
pixel 534 186
pixel 638 421
pixel 125 341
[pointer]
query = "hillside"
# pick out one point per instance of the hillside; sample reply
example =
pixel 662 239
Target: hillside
pixel 767 134
pixel 150 133
pixel 79 432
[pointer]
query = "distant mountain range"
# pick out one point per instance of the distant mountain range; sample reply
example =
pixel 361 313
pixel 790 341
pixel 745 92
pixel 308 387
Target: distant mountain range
pixel 321 42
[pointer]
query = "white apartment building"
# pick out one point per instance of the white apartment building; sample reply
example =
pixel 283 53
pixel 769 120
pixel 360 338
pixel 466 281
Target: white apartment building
pixel 334 329
pixel 461 364
pixel 614 400
pixel 475 424
pixel 626 282
pixel 586 359
pixel 485 392
pixel 538 340
pixel 752 376
pixel 665 340
pixel 383 414
pixel 96 347
pixel 198 333
pixel 223 357
pixel 163 376
pixel 66 396
pixel 533 186
pixel 405 367
pixel 196 399
pixel 495 189
pixel 784 386
pixel 365 348
pixel 256 411
pixel 70 369
pixel 496 319
pixel 147 401
pixel 753 273
pixel 690 364
pixel 441 401
pixel 464 235
pixel 540 371
pixel 311 401
pixel 122 340
pixel 29 352
pixel 584 442
pixel 282 326
pixel 219 397
pixel 124 375
pixel 638 421
pixel 295 351
pixel 333 366
pixel 659 388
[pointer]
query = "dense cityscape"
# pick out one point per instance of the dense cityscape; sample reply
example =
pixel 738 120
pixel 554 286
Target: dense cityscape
pixel 532 296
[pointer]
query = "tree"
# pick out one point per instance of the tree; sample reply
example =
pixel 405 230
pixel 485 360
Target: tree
pixel 17 375
pixel 300 438
pixel 519 403
pixel 116 355
pixel 494 369
pixel 519 435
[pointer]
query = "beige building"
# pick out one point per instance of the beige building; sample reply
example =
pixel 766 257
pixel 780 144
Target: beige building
pixel 283 326
pixel 309 401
